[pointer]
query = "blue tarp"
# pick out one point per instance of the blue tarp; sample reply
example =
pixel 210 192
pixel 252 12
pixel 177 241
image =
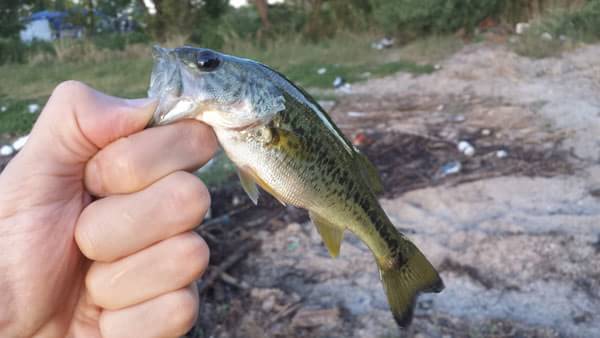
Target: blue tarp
pixel 56 19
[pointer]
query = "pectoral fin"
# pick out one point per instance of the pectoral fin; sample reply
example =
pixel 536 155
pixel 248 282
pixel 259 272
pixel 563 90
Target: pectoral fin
pixel 330 233
pixel 249 186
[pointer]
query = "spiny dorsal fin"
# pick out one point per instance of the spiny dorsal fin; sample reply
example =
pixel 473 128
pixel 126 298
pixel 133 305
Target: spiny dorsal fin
pixel 331 234
pixel 249 186
pixel 369 172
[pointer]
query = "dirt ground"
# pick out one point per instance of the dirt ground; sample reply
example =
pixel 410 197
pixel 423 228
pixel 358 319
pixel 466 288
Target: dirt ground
pixel 515 232
pixel 516 237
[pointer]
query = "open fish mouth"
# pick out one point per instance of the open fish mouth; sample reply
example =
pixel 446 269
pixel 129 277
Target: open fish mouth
pixel 167 87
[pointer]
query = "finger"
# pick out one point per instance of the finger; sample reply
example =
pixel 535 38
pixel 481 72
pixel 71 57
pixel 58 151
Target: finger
pixel 170 315
pixel 78 120
pixel 164 267
pixel 131 164
pixel 117 226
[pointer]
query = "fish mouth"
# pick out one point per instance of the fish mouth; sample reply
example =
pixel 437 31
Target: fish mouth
pixel 166 87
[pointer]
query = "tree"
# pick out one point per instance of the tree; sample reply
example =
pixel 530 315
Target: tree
pixel 9 18
pixel 263 11
pixel 181 18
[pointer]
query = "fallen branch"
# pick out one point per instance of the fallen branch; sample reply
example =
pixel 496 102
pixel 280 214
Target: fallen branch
pixel 229 279
pixel 216 273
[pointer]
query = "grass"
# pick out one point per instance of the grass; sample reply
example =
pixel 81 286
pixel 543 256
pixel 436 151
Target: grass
pixel 218 172
pixel 126 73
pixel 575 25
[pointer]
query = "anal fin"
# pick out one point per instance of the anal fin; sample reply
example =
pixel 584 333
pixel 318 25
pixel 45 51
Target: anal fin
pixel 331 234
pixel 249 186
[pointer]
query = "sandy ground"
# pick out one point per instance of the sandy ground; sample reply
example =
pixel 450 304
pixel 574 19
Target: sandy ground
pixel 519 252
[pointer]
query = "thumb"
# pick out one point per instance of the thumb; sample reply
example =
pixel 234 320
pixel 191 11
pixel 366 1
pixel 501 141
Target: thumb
pixel 77 121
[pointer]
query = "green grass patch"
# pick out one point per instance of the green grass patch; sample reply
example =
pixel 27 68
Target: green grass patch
pixel 567 27
pixel 218 172
pixel 126 72
pixel 15 117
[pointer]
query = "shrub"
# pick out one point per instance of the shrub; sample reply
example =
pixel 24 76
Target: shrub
pixel 411 18
pixel 580 24
pixel 12 50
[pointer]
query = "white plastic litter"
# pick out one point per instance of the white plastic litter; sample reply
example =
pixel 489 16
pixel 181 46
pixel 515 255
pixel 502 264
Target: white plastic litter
pixel 3 109
pixel 338 82
pixel 356 113
pixel 466 148
pixel 450 168
pixel 546 36
pixel 321 70
pixel 6 150
pixel 501 154
pixel 33 107
pixel 20 142
pixel 522 27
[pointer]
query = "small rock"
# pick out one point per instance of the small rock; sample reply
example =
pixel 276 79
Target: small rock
pixel 521 28
pixel 321 70
pixel 294 227
pixel 486 132
pixel 466 148
pixel 546 36
pixel 501 154
pixel 33 108
pixel 306 318
pixel 6 150
pixel 268 304
pixel 440 107
pixel 20 142
pixel 437 66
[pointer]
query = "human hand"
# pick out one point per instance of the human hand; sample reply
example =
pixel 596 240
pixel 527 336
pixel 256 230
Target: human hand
pixel 123 265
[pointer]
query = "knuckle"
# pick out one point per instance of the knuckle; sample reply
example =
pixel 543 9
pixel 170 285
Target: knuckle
pixel 189 195
pixel 117 169
pixel 69 88
pixel 192 255
pixel 183 306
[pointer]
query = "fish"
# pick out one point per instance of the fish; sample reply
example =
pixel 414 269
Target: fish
pixel 280 139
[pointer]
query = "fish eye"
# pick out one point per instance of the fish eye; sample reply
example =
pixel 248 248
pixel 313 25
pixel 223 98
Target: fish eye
pixel 207 61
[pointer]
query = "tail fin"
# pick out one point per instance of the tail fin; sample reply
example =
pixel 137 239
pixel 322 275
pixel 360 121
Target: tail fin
pixel 404 278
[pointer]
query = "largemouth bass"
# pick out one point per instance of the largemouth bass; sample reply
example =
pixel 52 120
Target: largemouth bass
pixel 281 139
